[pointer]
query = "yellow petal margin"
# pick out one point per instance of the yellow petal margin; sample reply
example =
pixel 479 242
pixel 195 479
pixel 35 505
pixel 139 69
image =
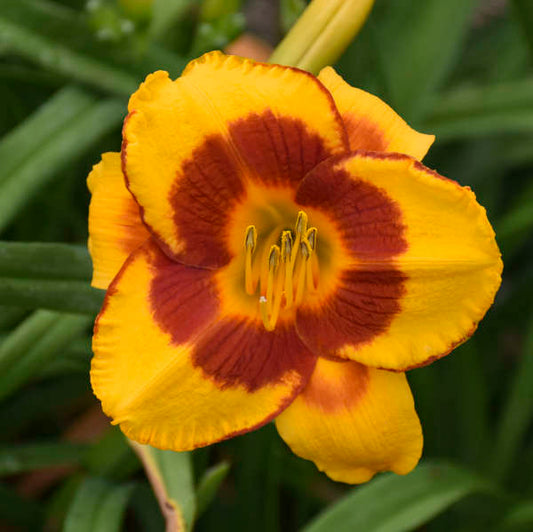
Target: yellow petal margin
pixel 175 127
pixel 370 123
pixel 452 263
pixel 147 377
pixel 353 422
pixel 115 226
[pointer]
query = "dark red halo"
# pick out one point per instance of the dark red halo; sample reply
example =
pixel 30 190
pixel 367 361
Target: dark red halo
pixel 239 352
pixel 264 149
pixel 368 294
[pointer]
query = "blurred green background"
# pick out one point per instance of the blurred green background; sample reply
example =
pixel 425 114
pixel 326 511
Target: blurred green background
pixel 461 69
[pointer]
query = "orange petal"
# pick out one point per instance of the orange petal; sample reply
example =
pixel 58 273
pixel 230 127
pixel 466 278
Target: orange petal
pixel 191 146
pixel 424 268
pixel 174 371
pixel 115 226
pixel 370 123
pixel 353 422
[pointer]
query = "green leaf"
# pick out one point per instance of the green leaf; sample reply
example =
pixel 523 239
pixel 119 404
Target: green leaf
pixel 74 359
pixel 33 344
pixel 515 226
pixel 482 110
pixel 42 404
pixel 419 41
pixel 52 116
pixel 56 57
pixel 517 414
pixel 208 486
pixel 20 458
pixel 519 517
pixel 67 296
pixel 111 512
pixel 44 261
pixel 171 476
pixel 70 139
pixel 111 456
pixel 98 506
pixel 394 503
pixel 10 316
pixel 524 16
pixel 50 276
pixel 23 337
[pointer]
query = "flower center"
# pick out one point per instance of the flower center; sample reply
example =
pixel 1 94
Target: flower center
pixel 281 273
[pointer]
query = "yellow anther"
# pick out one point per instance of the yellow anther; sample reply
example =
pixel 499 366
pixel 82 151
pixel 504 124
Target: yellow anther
pixel 286 246
pixel 273 257
pixel 305 249
pixel 250 241
pixel 311 237
pixel 301 223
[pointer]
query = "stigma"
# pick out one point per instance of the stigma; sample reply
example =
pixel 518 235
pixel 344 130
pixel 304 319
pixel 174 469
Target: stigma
pixel 282 274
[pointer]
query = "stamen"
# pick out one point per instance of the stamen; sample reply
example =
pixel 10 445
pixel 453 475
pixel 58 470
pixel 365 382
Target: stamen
pixel 266 302
pixel 311 237
pixel 273 263
pixel 312 263
pixel 285 272
pixel 250 241
pixel 286 252
pixel 301 223
pixel 301 270
pixel 269 326
pixel 300 229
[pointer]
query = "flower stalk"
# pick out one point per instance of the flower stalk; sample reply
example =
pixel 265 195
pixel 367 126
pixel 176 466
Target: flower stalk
pixel 322 33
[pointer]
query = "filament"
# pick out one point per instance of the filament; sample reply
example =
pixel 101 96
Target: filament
pixel 286 272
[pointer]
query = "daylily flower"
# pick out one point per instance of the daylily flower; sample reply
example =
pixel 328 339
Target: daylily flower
pixel 274 249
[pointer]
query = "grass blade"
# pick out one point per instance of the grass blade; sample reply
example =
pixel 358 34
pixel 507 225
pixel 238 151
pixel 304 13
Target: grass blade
pixel 58 58
pixel 44 261
pixel 98 506
pixel 517 414
pixel 21 458
pixel 111 456
pixel 25 354
pixel 208 486
pixel 52 116
pixel 482 110
pixel 66 296
pixel 48 276
pixel 432 33
pixel 524 16
pixel 394 504
pixel 519 517
pixel 23 337
pixel 69 141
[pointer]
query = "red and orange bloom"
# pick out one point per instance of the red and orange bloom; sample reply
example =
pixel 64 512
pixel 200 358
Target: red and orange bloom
pixel 272 248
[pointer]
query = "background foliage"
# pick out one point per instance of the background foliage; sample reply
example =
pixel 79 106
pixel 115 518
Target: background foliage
pixel 461 69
